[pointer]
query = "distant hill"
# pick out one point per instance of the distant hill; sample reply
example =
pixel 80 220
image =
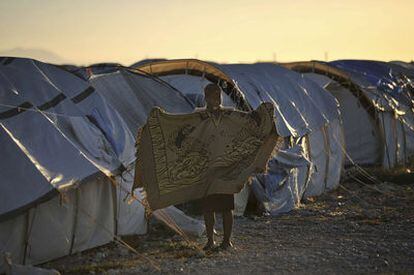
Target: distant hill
pixel 39 54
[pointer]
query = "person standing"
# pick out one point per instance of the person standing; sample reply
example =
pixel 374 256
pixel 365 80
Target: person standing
pixel 217 203
pixel 208 154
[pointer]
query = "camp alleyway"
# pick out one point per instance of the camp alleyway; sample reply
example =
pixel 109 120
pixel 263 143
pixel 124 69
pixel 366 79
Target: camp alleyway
pixel 357 228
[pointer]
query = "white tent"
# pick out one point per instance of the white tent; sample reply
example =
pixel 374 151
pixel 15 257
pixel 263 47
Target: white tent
pixel 306 117
pixel 378 126
pixel 60 143
pixel 133 94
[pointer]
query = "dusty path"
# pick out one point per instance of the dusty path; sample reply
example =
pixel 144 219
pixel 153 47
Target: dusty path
pixel 358 231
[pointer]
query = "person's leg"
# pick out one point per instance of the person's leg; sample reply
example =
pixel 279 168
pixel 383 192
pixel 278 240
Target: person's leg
pixel 227 227
pixel 209 220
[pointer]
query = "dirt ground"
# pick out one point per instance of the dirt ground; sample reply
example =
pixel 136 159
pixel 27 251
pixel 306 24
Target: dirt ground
pixel 358 228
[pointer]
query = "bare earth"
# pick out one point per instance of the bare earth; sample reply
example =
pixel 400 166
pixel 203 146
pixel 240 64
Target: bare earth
pixel 359 228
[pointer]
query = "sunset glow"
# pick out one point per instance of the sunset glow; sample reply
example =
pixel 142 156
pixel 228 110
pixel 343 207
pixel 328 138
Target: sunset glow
pixel 84 32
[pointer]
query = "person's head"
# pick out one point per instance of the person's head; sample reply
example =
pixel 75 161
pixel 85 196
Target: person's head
pixel 212 95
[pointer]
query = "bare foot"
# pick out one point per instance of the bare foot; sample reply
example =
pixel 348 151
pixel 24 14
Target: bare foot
pixel 226 245
pixel 209 246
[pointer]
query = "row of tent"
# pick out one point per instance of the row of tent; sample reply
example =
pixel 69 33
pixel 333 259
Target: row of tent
pixel 67 137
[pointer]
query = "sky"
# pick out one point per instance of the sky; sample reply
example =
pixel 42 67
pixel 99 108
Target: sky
pixel 125 31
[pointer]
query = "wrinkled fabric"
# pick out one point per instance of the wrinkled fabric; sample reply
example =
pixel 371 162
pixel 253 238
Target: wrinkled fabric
pixel 186 157
pixel 389 86
pixel 279 190
pixel 301 106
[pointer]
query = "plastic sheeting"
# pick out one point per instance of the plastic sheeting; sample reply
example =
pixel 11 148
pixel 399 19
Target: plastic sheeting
pixel 362 136
pixel 12 239
pixel 81 219
pixel 61 95
pixel 296 172
pixel 408 130
pixel 134 95
pixel 398 136
pixel 380 132
pixel 15 192
pixel 327 157
pixel 56 122
pixel 388 85
pixel 85 134
pixel 303 108
pixel 240 201
pixel 300 104
pixel 402 156
pixel 48 230
pixel 57 134
pixel 281 189
pixel 334 135
pixel 390 139
pixel 188 225
pixel 130 213
pixel 318 157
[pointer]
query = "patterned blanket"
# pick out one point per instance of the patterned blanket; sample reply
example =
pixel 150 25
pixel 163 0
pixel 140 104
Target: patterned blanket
pixel 183 157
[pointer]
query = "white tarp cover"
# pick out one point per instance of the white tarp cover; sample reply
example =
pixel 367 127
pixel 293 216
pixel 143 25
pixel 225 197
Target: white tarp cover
pixel 300 104
pixel 83 218
pixel 335 139
pixel 15 192
pixel 280 190
pixel 327 157
pixel 296 173
pixel 303 108
pixel 408 129
pixel 55 139
pixel 190 226
pixel 390 87
pixel 38 134
pixel 394 82
pixel 30 131
pixel 134 95
pixel 94 107
pixel 390 138
pixel 362 135
pixel 130 213
pixel 43 90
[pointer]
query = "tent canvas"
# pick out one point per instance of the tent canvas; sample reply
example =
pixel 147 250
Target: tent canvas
pixel 302 107
pixel 56 196
pixel 387 116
